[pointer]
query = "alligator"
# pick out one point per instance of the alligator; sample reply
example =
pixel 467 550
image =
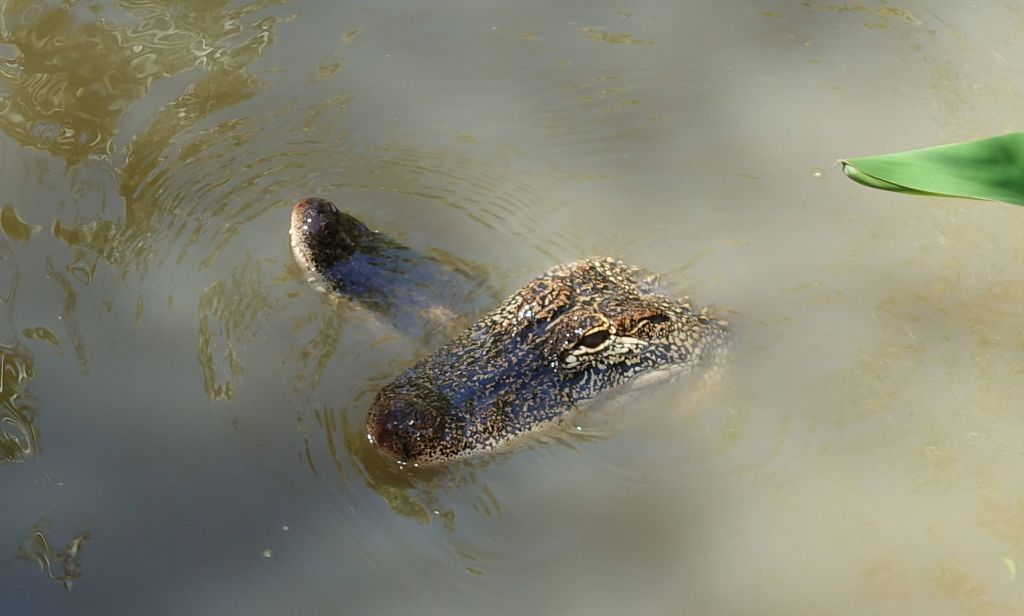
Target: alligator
pixel 568 335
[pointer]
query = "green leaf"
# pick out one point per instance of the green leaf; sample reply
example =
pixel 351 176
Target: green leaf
pixel 990 169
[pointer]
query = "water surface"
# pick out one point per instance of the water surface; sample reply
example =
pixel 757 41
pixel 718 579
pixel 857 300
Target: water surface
pixel 181 415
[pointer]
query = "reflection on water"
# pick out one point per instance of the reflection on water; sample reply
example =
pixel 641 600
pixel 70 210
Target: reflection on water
pixel 150 211
pixel 71 83
pixel 69 309
pixel 76 70
pixel 66 90
pixel 18 436
pixel 884 13
pixel 13 226
pixel 61 565
pixel 616 38
pixel 228 311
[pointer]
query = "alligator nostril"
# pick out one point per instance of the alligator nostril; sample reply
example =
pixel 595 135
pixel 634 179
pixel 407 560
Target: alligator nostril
pixel 314 205
pixel 407 427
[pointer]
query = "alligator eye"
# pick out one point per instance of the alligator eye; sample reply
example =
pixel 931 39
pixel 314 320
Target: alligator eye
pixel 594 339
pixel 658 318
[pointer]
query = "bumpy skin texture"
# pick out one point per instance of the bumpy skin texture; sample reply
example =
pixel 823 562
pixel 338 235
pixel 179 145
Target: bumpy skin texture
pixel 576 331
pixel 570 334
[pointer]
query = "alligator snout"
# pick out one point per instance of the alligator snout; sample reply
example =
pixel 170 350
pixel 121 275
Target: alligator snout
pixel 409 425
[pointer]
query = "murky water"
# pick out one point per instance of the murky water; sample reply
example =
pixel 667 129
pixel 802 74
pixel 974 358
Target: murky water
pixel 181 415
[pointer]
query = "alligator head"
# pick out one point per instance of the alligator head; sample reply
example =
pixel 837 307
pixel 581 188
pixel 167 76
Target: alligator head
pixel 574 332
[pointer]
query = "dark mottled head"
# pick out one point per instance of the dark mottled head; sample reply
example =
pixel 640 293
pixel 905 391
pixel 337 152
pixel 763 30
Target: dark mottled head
pixel 322 235
pixel 565 337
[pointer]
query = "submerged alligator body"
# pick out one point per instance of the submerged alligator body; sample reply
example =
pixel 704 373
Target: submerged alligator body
pixel 568 335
